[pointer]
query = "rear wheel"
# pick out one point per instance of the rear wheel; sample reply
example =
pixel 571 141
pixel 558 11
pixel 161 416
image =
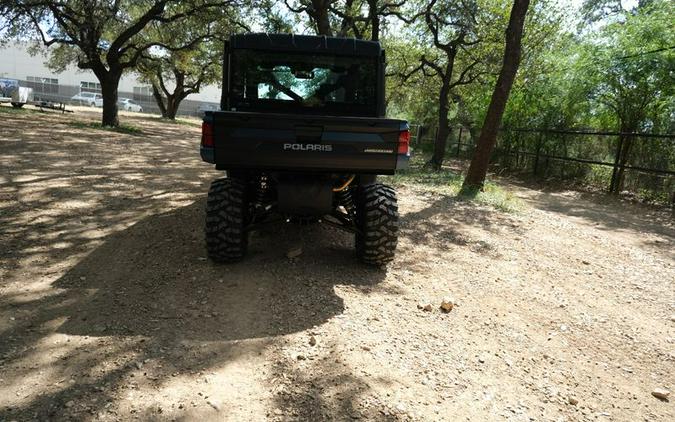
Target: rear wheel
pixel 377 219
pixel 226 215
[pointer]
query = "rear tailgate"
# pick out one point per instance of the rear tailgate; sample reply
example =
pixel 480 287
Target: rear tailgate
pixel 311 143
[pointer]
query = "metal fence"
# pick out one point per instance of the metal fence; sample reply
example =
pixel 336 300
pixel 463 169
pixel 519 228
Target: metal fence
pixel 46 89
pixel 586 156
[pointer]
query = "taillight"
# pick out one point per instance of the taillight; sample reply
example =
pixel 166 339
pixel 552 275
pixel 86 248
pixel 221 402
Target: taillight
pixel 404 142
pixel 207 134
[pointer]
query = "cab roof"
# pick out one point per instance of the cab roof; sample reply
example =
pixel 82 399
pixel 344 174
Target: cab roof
pixel 306 43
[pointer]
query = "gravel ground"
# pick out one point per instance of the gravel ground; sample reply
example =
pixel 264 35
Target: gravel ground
pixel 109 309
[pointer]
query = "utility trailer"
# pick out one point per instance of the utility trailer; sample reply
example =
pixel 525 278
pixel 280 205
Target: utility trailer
pixel 11 92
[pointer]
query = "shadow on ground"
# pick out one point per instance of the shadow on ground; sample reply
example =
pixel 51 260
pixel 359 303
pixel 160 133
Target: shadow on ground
pixel 148 293
pixel 606 212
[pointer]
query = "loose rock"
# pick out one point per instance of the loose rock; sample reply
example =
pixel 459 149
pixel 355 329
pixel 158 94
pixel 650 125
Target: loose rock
pixel 572 400
pixel 427 307
pixel 447 304
pixel 661 393
pixel 312 341
pixel 294 253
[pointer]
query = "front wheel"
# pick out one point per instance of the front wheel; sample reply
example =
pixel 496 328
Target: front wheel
pixel 226 215
pixel 377 221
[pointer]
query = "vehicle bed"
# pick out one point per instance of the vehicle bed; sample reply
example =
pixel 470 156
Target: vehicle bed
pixel 269 141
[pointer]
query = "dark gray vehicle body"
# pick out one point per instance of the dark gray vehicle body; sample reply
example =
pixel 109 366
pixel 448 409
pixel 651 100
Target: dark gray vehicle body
pixel 327 144
pixel 268 135
pixel 302 137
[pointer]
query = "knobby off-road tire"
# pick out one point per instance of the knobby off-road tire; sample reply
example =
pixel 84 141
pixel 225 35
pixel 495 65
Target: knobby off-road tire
pixel 377 218
pixel 226 214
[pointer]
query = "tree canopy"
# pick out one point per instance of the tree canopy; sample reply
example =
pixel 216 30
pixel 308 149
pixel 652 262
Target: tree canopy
pixel 107 37
pixel 606 66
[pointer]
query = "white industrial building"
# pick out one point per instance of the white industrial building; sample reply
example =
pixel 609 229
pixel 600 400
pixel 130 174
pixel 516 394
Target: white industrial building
pixel 17 63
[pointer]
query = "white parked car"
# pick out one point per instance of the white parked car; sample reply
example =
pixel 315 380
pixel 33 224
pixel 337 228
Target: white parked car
pixel 88 98
pixel 129 105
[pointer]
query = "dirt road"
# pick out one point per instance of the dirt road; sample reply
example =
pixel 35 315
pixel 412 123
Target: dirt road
pixel 109 309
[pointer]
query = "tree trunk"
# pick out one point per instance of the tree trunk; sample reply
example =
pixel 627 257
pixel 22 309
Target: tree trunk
pixel 172 103
pixel 321 18
pixel 169 105
pixel 626 148
pixel 157 95
pixel 475 177
pixel 624 154
pixel 109 83
pixel 374 20
pixel 171 108
pixel 375 33
pixel 346 21
pixel 441 141
pixel 168 102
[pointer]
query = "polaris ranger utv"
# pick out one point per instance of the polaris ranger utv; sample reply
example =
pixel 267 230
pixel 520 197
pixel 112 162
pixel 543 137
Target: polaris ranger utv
pixel 302 136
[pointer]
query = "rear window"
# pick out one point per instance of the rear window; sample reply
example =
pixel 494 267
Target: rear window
pixel 310 82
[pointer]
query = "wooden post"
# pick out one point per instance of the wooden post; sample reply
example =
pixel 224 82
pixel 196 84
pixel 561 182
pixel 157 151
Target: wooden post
pixel 563 166
pixel 615 172
pixel 418 138
pixel 459 141
pixel 537 152
pixel 513 149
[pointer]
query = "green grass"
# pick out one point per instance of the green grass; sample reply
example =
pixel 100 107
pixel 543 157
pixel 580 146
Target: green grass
pixel 11 110
pixel 497 197
pixel 123 128
pixel 447 182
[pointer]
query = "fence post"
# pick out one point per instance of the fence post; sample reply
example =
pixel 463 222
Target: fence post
pixel 537 152
pixel 418 138
pixel 459 141
pixel 514 150
pixel 615 171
